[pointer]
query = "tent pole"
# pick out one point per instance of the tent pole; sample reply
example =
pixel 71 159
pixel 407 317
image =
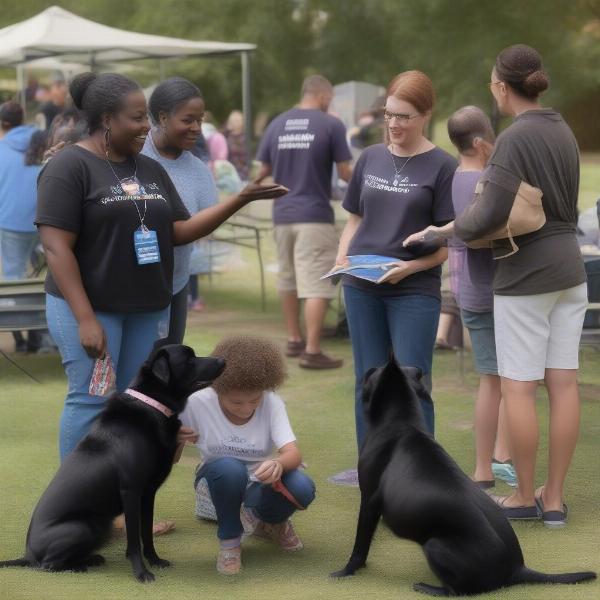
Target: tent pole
pixel 21 88
pixel 247 104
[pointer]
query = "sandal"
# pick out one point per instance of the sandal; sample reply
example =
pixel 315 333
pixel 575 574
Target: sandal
pixel 553 519
pixel 516 513
pixel 158 528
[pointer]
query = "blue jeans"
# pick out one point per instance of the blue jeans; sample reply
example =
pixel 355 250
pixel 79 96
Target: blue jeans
pixel 130 337
pixel 15 250
pixel 377 324
pixel 227 480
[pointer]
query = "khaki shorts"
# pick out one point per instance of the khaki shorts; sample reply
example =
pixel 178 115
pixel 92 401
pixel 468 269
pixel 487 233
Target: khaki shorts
pixel 305 251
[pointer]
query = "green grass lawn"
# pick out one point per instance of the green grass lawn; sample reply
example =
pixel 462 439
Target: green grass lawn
pixel 321 409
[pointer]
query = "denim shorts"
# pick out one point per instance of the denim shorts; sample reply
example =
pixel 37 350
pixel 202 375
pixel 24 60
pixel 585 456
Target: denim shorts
pixel 483 343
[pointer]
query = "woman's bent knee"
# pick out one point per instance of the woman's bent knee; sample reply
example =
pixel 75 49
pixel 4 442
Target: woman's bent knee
pixel 301 486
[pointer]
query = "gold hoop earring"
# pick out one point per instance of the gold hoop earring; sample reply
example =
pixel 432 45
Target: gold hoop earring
pixel 107 141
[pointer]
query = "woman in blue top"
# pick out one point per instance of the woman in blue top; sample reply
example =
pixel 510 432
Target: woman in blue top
pixel 176 109
pixel 394 189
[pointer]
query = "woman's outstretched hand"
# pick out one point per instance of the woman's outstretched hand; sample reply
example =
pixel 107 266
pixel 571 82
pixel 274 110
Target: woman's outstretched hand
pixel 429 234
pixel 261 191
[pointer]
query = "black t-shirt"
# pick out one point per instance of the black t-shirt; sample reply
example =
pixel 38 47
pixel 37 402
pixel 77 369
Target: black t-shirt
pixel 393 207
pixel 78 192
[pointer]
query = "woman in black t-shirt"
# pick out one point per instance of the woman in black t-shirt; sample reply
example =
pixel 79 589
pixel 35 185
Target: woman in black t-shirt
pixel 108 219
pixel 397 188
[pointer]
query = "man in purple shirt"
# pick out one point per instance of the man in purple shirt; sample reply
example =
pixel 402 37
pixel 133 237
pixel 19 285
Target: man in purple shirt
pixel 299 149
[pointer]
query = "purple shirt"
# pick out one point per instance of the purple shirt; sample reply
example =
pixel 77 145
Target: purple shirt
pixel 301 145
pixel 471 271
pixel 395 202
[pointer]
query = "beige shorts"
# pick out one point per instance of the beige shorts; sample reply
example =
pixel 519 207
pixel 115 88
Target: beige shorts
pixel 539 332
pixel 305 251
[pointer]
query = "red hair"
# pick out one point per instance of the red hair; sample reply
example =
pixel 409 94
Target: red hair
pixel 413 87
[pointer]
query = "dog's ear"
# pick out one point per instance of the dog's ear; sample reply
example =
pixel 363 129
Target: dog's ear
pixel 161 369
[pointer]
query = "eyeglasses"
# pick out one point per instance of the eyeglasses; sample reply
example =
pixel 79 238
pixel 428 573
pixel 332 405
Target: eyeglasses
pixel 403 118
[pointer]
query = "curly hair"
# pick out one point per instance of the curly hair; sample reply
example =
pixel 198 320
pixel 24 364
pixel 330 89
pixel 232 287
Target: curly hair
pixel 252 364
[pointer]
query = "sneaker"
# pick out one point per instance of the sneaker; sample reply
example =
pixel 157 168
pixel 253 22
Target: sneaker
pixel 319 361
pixel 504 471
pixel 197 306
pixel 348 478
pixel 293 349
pixel 229 562
pixel 281 533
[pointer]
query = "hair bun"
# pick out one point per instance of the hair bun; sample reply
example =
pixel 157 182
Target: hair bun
pixel 535 83
pixel 79 86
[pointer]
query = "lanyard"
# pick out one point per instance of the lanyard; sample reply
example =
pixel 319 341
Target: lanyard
pixel 131 187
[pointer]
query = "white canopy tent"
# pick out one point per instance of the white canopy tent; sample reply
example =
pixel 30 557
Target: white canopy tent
pixel 60 34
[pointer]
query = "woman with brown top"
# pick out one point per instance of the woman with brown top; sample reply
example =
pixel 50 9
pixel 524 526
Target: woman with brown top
pixel 540 294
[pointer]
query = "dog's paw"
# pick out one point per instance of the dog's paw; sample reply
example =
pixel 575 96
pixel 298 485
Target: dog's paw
pixel 144 576
pixel 95 560
pixel 156 561
pixel 345 572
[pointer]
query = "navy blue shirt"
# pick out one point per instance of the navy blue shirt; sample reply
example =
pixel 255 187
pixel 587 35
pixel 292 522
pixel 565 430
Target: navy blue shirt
pixel 393 207
pixel 301 145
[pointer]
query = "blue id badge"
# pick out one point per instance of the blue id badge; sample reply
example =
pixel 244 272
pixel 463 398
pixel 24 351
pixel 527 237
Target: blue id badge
pixel 145 243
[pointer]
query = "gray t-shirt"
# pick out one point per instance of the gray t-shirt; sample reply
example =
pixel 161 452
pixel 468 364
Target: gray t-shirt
pixel 301 145
pixel 194 182
pixel 540 149
pixel 471 271
pixel 390 213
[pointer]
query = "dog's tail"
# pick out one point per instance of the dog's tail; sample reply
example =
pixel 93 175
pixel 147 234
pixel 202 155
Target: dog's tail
pixel 18 562
pixel 526 575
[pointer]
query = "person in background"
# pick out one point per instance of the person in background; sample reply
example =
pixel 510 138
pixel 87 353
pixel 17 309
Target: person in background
pixel 248 450
pixel 236 143
pixel 397 188
pixel 540 291
pixel 58 93
pixel 471 278
pixel 177 108
pixel 18 235
pixel 20 149
pixel 300 148
pixel 215 140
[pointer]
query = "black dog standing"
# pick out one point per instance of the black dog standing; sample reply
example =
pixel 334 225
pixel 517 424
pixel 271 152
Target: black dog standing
pixel 407 478
pixel 116 468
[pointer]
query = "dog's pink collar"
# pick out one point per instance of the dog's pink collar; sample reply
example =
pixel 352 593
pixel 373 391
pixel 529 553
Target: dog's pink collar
pixel 151 402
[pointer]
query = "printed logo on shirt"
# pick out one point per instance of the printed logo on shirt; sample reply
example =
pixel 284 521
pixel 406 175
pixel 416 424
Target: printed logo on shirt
pixel 295 141
pixel 150 191
pixel 296 125
pixel 399 185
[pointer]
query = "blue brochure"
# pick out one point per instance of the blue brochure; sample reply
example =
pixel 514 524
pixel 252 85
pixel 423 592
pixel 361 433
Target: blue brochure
pixel 371 267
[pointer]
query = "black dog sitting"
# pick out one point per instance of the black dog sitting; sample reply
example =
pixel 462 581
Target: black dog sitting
pixel 116 468
pixel 407 478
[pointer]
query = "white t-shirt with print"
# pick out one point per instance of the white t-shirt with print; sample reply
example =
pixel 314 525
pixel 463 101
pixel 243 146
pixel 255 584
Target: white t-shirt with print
pixel 252 443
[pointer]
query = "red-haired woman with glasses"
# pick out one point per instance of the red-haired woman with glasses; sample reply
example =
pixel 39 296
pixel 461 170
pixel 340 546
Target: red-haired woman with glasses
pixel 397 188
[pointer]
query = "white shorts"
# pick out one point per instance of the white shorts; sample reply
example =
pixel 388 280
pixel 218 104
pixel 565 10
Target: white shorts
pixel 539 332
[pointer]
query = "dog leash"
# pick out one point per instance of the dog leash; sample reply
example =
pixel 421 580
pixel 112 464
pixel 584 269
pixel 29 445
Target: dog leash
pixel 151 402
pixel 279 487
